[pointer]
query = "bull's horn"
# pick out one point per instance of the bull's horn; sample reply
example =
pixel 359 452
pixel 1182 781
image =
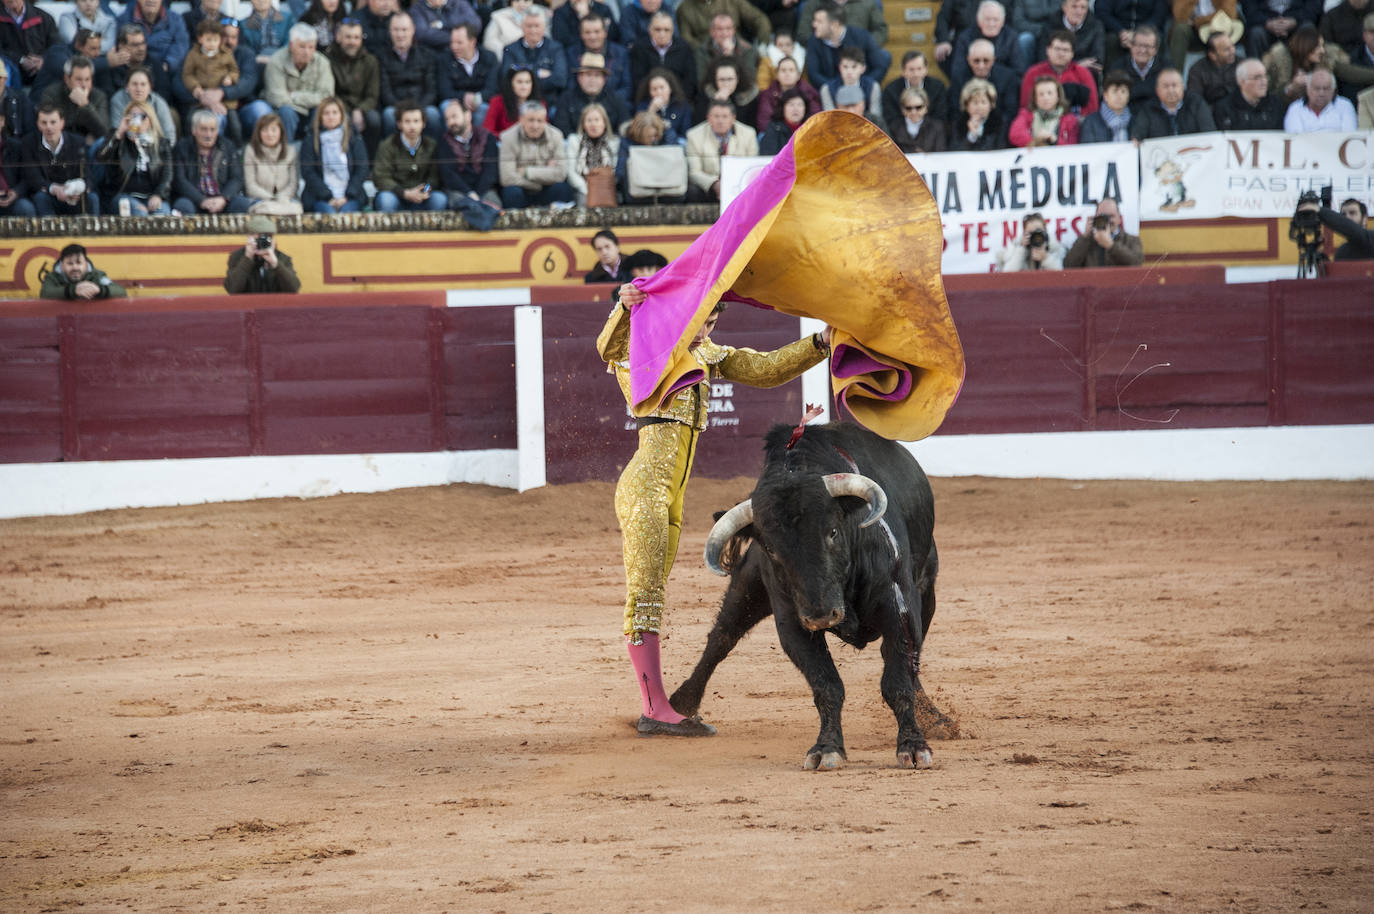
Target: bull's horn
pixel 730 523
pixel 838 484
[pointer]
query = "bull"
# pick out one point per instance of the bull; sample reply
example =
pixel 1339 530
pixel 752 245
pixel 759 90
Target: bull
pixel 838 537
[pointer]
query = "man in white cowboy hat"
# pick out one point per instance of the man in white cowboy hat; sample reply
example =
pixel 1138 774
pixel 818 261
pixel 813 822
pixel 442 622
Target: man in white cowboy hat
pixel 1214 76
pixel 593 36
pixel 1196 20
pixel 589 85
pixel 258 267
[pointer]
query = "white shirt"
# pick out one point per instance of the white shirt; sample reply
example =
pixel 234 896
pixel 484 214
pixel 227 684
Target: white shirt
pixel 1337 117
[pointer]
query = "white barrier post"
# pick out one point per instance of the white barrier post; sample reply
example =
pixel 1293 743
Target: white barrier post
pixel 529 397
pixel 816 380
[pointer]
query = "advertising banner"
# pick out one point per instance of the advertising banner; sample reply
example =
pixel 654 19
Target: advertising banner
pixel 983 195
pixel 1254 174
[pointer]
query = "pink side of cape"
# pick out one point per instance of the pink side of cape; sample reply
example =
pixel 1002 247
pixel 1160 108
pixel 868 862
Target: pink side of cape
pixel 677 293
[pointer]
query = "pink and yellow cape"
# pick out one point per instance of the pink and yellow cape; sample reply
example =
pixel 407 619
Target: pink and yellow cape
pixel 838 227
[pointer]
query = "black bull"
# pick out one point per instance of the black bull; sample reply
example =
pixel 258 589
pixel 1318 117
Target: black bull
pixel 825 556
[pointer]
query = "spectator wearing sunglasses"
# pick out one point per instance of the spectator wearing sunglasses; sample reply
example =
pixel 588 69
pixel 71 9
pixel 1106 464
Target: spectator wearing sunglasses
pixel 916 130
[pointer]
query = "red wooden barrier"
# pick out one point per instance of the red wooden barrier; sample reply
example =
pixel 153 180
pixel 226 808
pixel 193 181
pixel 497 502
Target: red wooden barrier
pixel 1097 277
pixel 1348 269
pixel 223 376
pixel 31 407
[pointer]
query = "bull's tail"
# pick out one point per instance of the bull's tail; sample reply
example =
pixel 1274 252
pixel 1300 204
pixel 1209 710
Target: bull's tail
pixel 911 639
pixel 925 585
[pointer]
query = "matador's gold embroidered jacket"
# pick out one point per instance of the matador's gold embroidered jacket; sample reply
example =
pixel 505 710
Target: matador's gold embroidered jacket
pixel 747 366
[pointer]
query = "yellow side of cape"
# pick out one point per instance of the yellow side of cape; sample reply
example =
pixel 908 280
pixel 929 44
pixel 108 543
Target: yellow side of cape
pixel 855 243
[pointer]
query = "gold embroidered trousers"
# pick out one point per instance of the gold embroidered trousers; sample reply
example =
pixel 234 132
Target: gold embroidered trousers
pixel 648 503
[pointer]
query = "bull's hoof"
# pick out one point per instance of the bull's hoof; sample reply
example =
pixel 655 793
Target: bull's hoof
pixel 691 726
pixel 824 761
pixel 920 759
pixel 684 704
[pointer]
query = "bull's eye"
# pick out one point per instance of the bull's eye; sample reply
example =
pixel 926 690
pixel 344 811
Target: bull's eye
pixel 834 534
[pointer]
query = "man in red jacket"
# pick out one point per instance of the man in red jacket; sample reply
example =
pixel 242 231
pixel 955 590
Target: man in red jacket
pixel 1080 86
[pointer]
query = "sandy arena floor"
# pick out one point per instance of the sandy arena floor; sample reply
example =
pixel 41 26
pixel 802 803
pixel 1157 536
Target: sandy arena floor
pixel 420 701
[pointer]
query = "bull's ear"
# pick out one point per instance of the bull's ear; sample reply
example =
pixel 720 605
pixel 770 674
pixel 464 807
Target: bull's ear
pixel 743 538
pixel 735 550
pixel 854 507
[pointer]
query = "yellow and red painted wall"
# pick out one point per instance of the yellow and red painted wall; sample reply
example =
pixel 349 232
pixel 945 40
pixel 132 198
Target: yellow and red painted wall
pixel 194 264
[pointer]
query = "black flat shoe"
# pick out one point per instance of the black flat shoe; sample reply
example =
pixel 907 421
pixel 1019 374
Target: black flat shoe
pixel 691 726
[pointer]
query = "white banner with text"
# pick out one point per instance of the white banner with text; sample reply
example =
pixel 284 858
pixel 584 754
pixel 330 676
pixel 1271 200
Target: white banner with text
pixel 1254 174
pixel 983 195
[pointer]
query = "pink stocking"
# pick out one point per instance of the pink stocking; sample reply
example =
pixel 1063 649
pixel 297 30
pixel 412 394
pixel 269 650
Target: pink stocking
pixel 649 673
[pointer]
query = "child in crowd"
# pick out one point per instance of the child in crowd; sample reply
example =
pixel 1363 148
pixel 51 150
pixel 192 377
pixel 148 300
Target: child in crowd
pixel 852 67
pixel 208 65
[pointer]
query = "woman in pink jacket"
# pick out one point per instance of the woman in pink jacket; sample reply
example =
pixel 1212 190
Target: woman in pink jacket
pixel 1047 122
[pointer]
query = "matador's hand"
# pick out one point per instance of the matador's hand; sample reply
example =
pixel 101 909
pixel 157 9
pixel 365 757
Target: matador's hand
pixel 631 295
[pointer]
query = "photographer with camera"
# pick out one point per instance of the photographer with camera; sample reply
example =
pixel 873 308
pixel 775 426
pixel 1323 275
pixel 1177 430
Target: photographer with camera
pixel 1106 243
pixel 1314 210
pixel 1034 250
pixel 258 266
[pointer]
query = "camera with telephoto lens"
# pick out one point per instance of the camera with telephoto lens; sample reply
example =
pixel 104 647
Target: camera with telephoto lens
pixel 1038 238
pixel 1305 230
pixel 263 242
pixel 1306 218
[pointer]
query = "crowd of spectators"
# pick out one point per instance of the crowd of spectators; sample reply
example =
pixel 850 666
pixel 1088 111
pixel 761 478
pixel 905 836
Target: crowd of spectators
pixel 1130 70
pixel 334 106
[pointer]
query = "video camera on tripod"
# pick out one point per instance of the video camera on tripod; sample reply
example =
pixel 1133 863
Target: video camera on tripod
pixel 1306 231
